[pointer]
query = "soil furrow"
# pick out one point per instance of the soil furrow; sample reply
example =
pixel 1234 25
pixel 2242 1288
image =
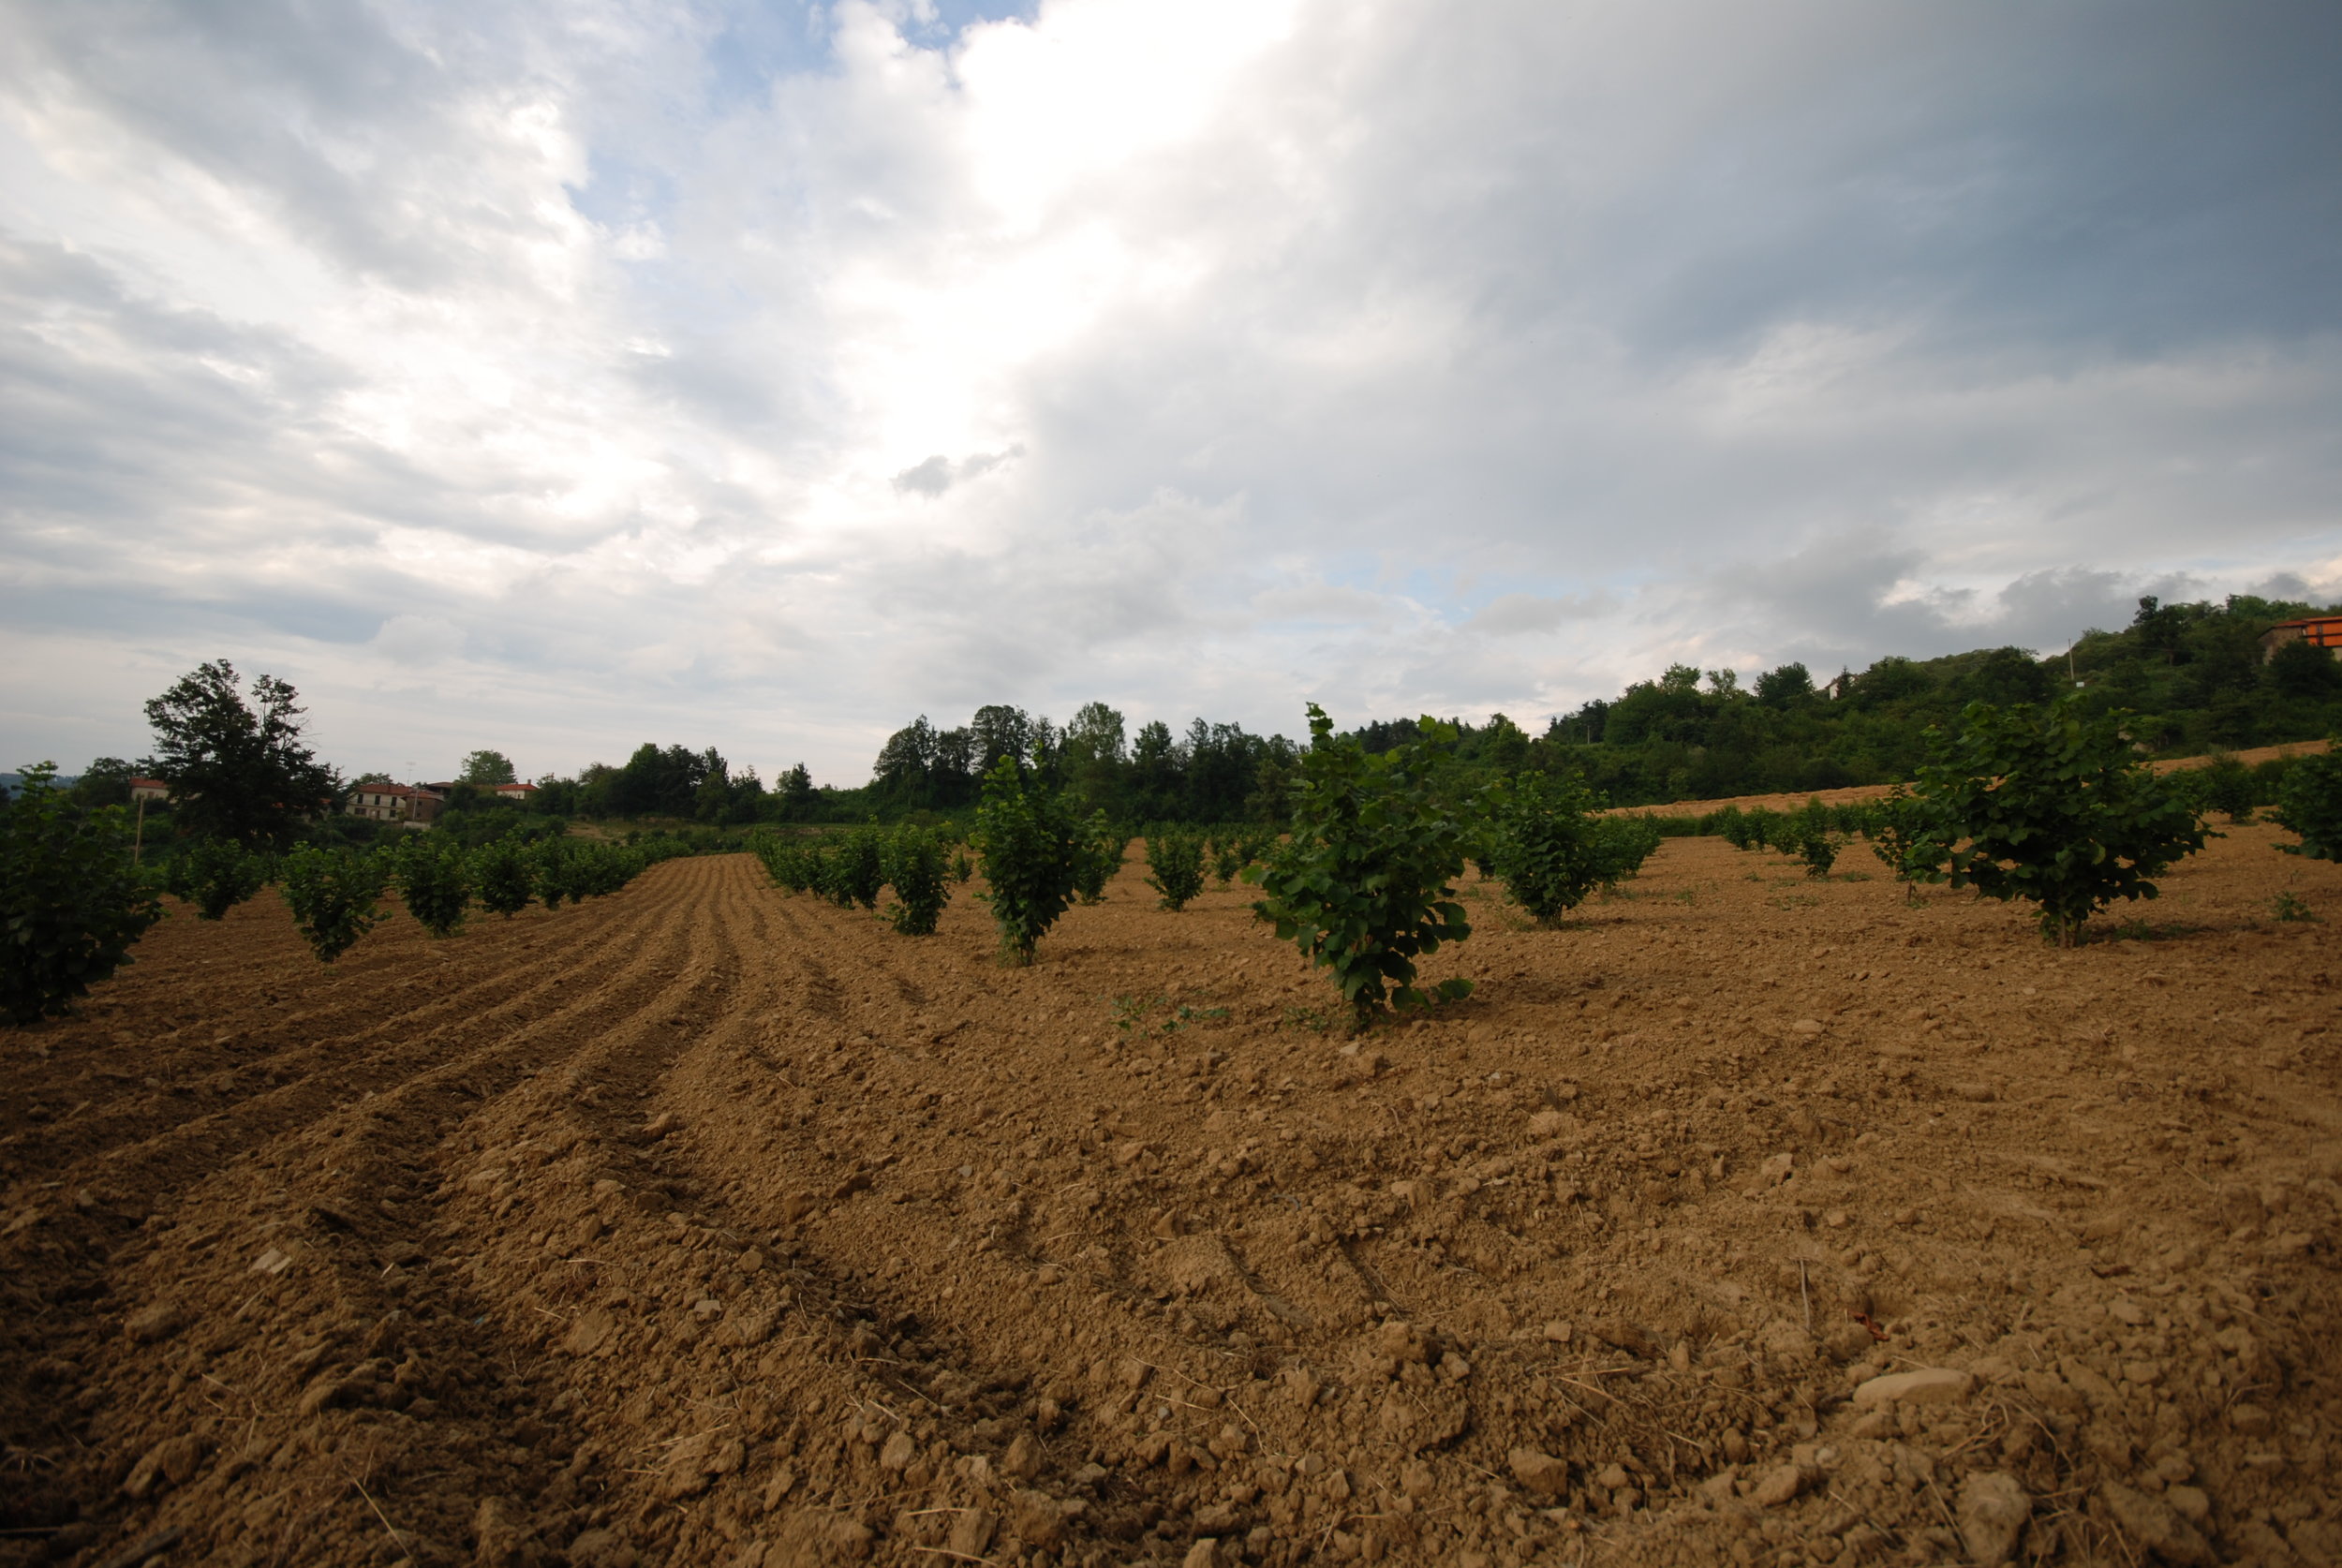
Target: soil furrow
pixel 328 1071
pixel 705 1224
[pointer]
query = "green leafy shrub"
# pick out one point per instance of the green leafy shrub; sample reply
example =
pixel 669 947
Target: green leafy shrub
pixel 215 875
pixel 1732 824
pixel 1362 885
pixel 1622 842
pixel 1819 848
pixel 832 878
pixel 71 904
pixel 1098 858
pixel 964 867
pixel 1897 835
pixel 1546 843
pixel 1227 858
pixel 554 873
pixel 788 861
pixel 2310 805
pixel 334 896
pixel 503 875
pixel 857 868
pixel 812 868
pixel 1029 843
pixel 2045 803
pixel 915 868
pixel 1175 864
pixel 597 869
pixel 2226 785
pixel 781 857
pixel 435 883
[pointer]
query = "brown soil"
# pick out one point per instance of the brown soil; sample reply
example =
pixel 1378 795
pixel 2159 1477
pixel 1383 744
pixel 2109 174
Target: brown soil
pixel 704 1225
pixel 2251 757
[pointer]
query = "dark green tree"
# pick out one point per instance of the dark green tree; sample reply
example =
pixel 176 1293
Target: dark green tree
pixel 433 881
pixel 237 770
pixel 2049 804
pixel 487 767
pixel 1030 847
pixel 103 782
pixel 503 875
pixel 334 896
pixel 1100 857
pixel 1175 867
pixel 1785 688
pixel 215 875
pixel 71 905
pixel 1543 844
pixel 2309 802
pixel 1361 885
pixel 914 867
pixel 2299 670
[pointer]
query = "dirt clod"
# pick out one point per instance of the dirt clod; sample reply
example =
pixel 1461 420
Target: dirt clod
pixel 1777 1486
pixel 1927 1385
pixel 1993 1509
pixel 155 1323
pixel 2157 1526
pixel 1539 1471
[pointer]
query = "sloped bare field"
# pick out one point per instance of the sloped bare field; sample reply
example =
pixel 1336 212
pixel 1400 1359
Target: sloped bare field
pixel 704 1225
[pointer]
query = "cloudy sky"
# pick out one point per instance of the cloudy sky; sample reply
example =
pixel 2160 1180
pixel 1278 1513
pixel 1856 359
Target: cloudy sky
pixel 560 376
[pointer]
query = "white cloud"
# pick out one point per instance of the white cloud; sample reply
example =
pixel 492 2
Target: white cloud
pixel 615 372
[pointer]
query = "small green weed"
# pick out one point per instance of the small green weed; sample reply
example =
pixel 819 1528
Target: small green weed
pixel 1315 1019
pixel 2289 908
pixel 1129 1011
pixel 1143 1016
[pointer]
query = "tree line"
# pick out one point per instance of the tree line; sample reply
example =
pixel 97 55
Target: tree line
pixel 2192 677
pixel 2189 679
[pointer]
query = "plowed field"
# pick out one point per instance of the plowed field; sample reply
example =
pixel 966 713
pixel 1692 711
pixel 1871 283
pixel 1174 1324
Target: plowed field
pixel 701 1224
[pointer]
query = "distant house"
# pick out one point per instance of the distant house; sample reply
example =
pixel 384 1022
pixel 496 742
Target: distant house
pixel 523 794
pixel 149 788
pixel 410 804
pixel 2319 631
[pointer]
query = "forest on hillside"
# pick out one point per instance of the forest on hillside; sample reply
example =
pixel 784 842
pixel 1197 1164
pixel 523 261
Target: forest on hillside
pixel 2194 675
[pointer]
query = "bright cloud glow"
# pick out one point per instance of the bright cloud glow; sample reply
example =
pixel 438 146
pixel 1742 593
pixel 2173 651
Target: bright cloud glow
pixel 555 379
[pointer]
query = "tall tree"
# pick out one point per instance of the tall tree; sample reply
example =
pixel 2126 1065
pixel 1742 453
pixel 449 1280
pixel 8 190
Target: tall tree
pixel 999 731
pixel 107 782
pixel 237 770
pixel 487 767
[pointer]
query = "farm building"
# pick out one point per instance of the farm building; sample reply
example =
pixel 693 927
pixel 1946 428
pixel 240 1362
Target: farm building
pixel 2322 631
pixel 396 803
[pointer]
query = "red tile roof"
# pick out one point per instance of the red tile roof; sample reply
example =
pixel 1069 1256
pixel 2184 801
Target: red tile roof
pixel 2325 631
